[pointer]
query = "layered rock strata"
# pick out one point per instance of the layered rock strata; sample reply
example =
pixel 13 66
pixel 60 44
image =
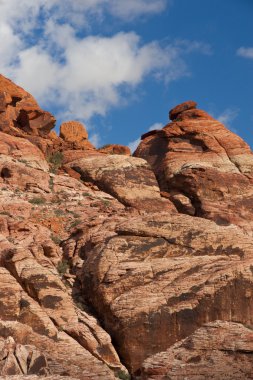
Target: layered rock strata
pixel 160 277
pixel 206 169
pixel 102 272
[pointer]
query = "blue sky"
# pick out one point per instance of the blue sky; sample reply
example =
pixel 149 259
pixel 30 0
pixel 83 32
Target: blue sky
pixel 120 65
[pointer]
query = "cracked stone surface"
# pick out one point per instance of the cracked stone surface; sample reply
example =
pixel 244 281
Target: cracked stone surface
pixel 113 266
pixel 159 277
pixel 197 157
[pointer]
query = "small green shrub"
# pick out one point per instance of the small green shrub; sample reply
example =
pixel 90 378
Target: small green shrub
pixel 55 161
pixel 23 161
pixel 123 375
pixel 5 213
pixel 106 202
pixel 51 184
pixel 37 201
pixel 56 239
pixel 80 305
pixel 75 215
pixel 86 194
pixel 59 212
pixel 75 223
pixel 62 267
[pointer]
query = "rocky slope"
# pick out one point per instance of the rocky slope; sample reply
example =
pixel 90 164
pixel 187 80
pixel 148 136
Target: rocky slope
pixel 119 267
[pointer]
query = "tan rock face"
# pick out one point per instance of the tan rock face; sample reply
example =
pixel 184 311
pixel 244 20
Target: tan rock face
pixel 159 278
pixel 128 179
pixel 39 300
pixel 196 157
pixel 98 269
pixel 219 350
pixel 17 359
pixel 22 150
pixel 40 304
pixel 20 114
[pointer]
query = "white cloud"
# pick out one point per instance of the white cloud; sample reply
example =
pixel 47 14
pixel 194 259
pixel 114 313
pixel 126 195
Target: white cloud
pixel 132 8
pixel 134 144
pixel 76 12
pixel 95 139
pixel 228 116
pixel 46 48
pixel 155 126
pixel 245 52
pixel 10 44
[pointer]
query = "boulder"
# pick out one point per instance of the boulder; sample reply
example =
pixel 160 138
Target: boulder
pixel 73 131
pixel 176 111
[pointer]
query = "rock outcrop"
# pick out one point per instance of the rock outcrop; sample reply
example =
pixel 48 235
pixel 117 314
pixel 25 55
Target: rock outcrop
pixel 128 179
pixel 206 169
pixel 75 135
pixel 218 350
pixel 115 149
pixel 20 114
pixel 112 270
pixel 160 277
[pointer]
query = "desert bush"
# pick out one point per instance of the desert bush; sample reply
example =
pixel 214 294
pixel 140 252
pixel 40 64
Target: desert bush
pixel 62 267
pixel 55 161
pixel 37 201
pixel 56 239
pixel 123 375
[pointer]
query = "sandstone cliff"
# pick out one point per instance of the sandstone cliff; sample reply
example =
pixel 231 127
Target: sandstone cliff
pixel 119 267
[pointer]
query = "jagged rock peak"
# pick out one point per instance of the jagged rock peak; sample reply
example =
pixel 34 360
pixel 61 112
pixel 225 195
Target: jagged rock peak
pixel 20 114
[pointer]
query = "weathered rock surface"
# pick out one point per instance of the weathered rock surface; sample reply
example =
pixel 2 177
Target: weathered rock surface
pixel 40 304
pixel 218 350
pixel 128 179
pixel 73 131
pixel 75 136
pixel 22 150
pixel 162 276
pixel 196 157
pixel 17 359
pixel 115 149
pixel 176 111
pixel 20 114
pixel 101 268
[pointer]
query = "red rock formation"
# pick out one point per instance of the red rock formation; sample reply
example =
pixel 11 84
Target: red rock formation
pixel 20 114
pixel 115 149
pixel 97 267
pixel 203 165
pixel 73 131
pixel 75 136
pixel 175 112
